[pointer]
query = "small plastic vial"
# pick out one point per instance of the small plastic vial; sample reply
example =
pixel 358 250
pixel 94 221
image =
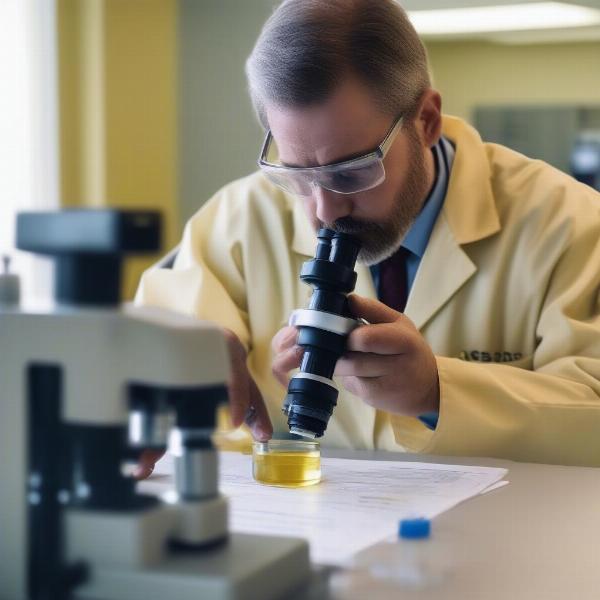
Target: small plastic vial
pixel 286 463
pixel 408 565
pixel 390 567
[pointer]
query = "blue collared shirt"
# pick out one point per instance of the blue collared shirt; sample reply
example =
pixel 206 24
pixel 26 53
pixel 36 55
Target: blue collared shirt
pixel 417 237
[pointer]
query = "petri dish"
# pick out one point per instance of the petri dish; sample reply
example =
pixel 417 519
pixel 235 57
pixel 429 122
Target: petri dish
pixel 286 463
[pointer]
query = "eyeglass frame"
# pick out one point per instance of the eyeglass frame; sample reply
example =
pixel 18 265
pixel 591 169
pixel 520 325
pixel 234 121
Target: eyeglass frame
pixel 378 153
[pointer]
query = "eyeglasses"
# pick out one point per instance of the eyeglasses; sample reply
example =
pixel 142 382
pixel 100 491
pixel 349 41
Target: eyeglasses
pixel 347 177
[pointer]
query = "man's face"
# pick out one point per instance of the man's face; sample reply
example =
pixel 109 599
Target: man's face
pixel 346 125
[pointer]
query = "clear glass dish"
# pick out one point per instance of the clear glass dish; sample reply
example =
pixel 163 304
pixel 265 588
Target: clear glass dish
pixel 286 463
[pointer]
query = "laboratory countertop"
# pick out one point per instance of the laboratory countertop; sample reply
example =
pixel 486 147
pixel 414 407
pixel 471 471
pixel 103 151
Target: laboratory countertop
pixel 536 539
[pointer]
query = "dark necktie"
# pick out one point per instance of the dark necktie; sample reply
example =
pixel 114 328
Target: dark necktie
pixel 393 280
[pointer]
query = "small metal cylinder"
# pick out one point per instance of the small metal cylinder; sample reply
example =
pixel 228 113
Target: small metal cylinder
pixel 196 464
pixel 149 429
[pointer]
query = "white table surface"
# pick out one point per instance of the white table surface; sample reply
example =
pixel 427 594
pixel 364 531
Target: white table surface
pixel 536 539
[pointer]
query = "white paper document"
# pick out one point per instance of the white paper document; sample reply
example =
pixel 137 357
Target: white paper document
pixel 358 502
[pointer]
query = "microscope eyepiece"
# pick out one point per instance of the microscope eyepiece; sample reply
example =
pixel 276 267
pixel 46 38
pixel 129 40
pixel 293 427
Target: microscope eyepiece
pixel 323 330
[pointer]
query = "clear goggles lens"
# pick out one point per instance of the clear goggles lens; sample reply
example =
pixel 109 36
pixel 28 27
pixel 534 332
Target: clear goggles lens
pixel 349 180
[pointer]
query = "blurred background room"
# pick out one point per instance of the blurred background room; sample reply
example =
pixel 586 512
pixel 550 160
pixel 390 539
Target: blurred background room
pixel 143 103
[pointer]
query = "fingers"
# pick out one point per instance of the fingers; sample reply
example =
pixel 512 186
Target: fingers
pixel 383 338
pixel 284 339
pixel 284 362
pixel 366 388
pixel 362 364
pixel 372 311
pixel 287 355
pixel 146 463
pixel 388 331
pixel 258 417
pixel 238 386
pixel 245 401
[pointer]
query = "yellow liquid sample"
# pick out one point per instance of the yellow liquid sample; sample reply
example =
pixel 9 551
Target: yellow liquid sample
pixel 288 469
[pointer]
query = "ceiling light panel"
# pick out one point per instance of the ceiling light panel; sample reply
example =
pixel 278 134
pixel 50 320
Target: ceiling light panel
pixel 509 17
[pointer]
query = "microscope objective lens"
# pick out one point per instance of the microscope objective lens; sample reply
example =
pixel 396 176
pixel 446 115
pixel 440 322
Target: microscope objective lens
pixel 323 328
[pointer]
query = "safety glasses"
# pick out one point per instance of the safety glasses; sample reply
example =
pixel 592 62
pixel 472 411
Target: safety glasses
pixel 347 177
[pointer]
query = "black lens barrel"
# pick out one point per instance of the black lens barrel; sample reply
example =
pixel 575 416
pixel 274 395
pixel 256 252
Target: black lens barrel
pixel 329 301
pixel 312 395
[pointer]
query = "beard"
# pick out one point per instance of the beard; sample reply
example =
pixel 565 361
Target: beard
pixel 380 239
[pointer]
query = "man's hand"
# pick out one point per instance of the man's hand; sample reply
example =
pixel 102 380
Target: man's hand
pixel 245 404
pixel 388 364
pixel 245 400
pixel 287 355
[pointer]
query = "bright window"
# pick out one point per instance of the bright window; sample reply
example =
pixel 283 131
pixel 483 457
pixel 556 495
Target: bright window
pixel 28 124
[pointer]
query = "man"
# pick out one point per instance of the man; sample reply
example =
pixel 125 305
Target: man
pixel 497 352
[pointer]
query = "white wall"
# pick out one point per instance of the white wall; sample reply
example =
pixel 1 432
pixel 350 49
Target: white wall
pixel 28 126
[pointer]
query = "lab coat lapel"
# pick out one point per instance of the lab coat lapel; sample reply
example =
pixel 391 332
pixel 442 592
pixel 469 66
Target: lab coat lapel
pixel 469 215
pixel 444 269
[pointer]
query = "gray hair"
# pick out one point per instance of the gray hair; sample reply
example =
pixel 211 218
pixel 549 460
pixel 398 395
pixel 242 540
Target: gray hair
pixel 307 47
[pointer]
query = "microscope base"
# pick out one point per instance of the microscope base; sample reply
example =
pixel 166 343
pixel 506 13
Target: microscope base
pixel 247 567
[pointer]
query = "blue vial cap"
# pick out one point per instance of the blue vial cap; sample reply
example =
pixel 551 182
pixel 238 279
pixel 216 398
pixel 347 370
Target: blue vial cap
pixel 414 529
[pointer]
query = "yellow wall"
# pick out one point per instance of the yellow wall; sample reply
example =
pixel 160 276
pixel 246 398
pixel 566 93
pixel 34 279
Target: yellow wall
pixel 118 109
pixel 479 73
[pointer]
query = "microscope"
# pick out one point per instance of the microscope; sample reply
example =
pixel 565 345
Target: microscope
pixel 87 385
pixel 323 330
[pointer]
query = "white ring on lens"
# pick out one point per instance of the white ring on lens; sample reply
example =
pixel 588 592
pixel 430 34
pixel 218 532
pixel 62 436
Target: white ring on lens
pixel 303 432
pixel 306 317
pixel 319 378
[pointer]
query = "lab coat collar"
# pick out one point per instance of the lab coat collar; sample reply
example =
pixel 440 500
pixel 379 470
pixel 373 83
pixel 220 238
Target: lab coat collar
pixel 469 205
pixel 469 214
